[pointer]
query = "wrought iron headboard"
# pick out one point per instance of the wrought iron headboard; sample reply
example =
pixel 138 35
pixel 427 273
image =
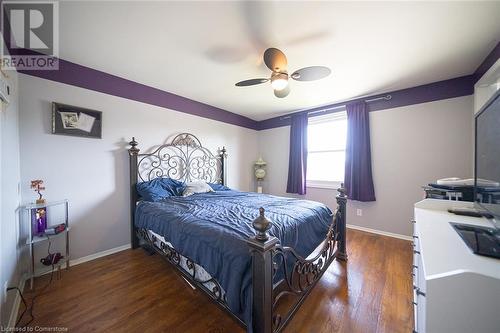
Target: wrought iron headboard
pixel 184 158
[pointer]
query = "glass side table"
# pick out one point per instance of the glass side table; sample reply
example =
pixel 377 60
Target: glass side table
pixel 40 217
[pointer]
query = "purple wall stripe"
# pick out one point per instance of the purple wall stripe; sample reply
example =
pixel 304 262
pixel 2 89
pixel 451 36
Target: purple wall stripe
pixel 461 86
pixel 487 63
pixel 88 78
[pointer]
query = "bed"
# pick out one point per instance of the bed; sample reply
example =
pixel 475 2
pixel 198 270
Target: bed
pixel 257 256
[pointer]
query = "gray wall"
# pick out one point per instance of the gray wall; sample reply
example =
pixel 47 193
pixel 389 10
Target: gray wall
pixel 411 146
pixel 9 198
pixel 93 174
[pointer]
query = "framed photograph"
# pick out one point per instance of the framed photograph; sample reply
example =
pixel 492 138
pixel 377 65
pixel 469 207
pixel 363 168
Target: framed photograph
pixel 76 121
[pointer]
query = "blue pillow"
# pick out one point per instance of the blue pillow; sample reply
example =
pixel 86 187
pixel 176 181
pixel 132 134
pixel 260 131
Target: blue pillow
pixel 218 187
pixel 159 189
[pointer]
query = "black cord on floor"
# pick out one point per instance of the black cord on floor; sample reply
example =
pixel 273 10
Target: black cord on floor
pixel 35 296
pixel 38 295
pixel 24 302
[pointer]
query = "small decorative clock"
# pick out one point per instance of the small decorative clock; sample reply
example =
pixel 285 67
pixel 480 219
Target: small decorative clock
pixel 260 173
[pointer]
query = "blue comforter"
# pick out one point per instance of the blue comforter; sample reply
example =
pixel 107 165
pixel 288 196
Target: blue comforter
pixel 211 229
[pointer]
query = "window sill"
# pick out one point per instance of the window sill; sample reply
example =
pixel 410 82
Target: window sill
pixel 333 185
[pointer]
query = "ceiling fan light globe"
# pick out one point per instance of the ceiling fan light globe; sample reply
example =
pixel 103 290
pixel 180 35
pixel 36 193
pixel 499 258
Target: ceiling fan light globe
pixel 279 84
pixel 279 81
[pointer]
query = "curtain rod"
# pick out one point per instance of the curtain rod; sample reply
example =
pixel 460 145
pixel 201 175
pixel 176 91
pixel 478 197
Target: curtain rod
pixel 385 98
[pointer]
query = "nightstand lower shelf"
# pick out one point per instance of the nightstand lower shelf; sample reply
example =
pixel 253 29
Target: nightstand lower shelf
pixel 44 237
pixel 58 209
pixel 41 269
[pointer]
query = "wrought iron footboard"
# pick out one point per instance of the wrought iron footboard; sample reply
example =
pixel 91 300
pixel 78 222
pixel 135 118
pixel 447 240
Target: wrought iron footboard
pixel 298 275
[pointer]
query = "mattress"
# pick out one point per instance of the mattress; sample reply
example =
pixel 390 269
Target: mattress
pixel 212 229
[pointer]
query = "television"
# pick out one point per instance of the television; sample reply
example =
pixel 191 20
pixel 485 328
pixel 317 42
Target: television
pixel 487 159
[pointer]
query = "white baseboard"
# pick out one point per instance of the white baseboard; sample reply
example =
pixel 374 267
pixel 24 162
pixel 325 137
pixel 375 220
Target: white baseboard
pixel 17 303
pixel 81 260
pixel 379 232
pixel 74 262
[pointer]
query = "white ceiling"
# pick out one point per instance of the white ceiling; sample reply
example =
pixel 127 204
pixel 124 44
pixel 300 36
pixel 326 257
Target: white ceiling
pixel 200 50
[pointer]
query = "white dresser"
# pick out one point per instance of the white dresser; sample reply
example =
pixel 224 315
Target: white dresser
pixel 455 290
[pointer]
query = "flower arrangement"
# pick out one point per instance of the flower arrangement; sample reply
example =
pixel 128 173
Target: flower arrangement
pixel 37 185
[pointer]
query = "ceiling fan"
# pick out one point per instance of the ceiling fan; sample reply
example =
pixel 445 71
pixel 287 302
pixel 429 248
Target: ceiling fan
pixel 276 61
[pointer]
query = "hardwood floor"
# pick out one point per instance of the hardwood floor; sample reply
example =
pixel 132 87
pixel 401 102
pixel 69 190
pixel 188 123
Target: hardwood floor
pixel 133 292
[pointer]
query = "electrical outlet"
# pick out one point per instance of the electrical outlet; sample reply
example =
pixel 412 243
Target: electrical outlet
pixel 359 212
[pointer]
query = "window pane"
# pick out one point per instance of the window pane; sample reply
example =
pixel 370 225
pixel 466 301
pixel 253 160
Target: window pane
pixel 326 166
pixel 329 135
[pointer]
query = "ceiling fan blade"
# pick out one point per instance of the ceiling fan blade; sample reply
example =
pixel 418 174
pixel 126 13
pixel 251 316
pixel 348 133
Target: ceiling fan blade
pixel 282 93
pixel 275 60
pixel 311 73
pixel 251 82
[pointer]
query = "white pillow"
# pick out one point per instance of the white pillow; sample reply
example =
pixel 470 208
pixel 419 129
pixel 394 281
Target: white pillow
pixel 198 186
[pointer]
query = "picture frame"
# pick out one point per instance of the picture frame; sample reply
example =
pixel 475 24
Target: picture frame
pixel 76 121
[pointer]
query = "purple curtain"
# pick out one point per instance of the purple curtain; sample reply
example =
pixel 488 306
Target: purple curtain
pixel 358 164
pixel 297 164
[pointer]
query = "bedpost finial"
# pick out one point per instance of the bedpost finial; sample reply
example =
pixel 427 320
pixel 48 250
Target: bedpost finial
pixel 133 144
pixel 341 190
pixel 222 151
pixel 261 224
pixel 342 196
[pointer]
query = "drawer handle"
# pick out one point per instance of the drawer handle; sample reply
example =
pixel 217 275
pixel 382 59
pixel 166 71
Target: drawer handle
pixel 416 252
pixel 413 221
pixel 420 292
pixel 415 266
pixel 415 237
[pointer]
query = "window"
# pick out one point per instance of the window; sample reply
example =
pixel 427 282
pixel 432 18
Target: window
pixel 326 141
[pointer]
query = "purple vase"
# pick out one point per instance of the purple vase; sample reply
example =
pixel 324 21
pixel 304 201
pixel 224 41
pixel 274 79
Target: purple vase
pixel 39 220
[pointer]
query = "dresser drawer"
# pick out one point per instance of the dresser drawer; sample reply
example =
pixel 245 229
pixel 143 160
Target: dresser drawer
pixel 416 255
pixel 419 305
pixel 419 302
pixel 415 311
pixel 420 316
